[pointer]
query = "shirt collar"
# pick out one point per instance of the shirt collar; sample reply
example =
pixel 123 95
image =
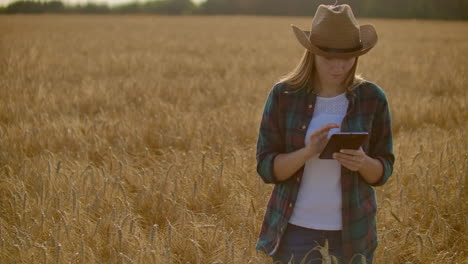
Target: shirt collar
pixel 350 94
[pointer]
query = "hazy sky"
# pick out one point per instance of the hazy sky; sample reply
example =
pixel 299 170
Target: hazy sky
pixel 109 2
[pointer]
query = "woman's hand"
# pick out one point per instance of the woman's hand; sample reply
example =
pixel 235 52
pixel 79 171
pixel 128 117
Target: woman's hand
pixel 318 139
pixel 352 159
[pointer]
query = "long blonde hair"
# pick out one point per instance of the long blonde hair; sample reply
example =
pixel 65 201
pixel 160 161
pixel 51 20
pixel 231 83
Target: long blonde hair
pixel 302 76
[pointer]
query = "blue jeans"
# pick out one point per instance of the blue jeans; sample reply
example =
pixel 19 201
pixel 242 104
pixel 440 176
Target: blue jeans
pixel 298 241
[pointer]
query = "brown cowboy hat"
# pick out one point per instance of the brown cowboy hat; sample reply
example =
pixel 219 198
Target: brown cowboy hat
pixel 336 33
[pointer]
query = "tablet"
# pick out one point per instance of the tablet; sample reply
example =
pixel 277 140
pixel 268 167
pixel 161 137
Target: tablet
pixel 343 140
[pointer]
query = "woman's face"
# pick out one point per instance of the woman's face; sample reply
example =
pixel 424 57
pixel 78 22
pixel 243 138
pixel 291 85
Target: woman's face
pixel 333 70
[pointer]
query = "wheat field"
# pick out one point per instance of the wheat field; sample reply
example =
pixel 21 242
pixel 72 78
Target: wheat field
pixel 131 139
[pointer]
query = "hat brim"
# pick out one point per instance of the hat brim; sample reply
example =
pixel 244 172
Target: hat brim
pixel 368 37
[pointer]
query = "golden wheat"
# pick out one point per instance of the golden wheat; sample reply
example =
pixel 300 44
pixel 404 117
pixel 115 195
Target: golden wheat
pixel 131 139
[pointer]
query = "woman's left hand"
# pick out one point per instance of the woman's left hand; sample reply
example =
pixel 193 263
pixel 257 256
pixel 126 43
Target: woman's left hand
pixel 352 159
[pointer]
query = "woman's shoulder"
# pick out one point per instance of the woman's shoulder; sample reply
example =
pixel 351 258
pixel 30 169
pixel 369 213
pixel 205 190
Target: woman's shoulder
pixel 283 88
pixel 371 90
pixel 280 87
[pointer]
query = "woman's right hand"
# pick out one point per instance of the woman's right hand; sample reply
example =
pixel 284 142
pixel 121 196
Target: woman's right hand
pixel 318 140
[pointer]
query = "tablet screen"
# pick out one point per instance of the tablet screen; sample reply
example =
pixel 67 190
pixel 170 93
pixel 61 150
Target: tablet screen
pixel 343 140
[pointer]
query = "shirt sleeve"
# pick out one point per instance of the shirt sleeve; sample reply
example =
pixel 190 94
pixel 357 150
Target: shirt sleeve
pixel 381 142
pixel 270 141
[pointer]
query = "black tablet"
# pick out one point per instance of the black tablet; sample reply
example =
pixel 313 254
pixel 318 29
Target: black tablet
pixel 343 140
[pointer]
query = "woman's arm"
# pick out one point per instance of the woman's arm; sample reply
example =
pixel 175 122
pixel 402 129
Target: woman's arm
pixel 270 142
pixel 381 144
pixel 286 164
pixel 372 171
pixel 357 160
pixel 377 167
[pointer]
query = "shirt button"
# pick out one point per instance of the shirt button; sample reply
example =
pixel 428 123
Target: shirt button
pixel 290 204
pixel 303 127
pixel 310 106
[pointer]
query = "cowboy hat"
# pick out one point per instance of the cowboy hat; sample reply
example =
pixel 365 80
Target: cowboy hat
pixel 336 33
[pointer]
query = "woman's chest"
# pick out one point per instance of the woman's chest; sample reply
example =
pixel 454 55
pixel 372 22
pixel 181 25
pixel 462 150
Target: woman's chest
pixel 300 118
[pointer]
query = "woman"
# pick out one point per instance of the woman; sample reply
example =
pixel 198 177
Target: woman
pixel 324 207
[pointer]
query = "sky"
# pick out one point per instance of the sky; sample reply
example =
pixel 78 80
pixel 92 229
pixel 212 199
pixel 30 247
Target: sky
pixel 109 2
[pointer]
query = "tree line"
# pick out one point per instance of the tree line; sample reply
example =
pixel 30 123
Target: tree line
pixel 426 9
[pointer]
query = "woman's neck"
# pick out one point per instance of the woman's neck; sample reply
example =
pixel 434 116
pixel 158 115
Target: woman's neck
pixel 329 90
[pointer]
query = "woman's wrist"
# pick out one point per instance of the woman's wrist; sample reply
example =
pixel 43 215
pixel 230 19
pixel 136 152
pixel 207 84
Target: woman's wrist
pixel 372 170
pixel 286 164
pixel 308 153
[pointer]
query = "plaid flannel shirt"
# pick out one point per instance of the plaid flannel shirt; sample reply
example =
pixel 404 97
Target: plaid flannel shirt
pixel 283 127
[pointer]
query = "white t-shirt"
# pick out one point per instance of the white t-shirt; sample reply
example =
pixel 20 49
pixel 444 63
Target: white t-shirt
pixel 318 204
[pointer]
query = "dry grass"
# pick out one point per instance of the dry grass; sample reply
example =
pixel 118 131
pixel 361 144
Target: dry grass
pixel 132 139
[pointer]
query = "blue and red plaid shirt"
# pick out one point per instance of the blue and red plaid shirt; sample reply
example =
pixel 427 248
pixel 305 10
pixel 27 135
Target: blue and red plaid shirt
pixel 285 119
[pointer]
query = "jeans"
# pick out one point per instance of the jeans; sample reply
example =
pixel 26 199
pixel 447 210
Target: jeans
pixel 297 242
